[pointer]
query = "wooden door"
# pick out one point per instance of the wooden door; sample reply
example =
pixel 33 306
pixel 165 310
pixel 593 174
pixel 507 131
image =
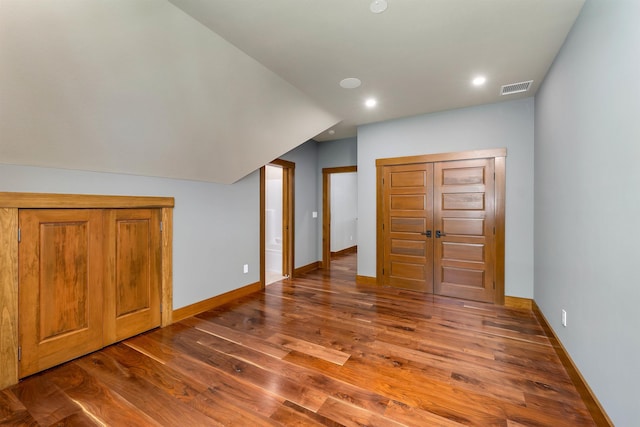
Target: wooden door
pixel 133 271
pixel 60 259
pixel 464 210
pixel 407 221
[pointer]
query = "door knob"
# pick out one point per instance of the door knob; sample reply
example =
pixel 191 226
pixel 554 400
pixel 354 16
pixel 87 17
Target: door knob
pixel 439 234
pixel 427 233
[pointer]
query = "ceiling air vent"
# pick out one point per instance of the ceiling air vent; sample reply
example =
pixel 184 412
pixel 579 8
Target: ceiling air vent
pixel 515 88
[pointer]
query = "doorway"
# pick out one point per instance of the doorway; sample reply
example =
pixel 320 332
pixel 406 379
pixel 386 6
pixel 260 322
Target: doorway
pixel 276 221
pixel 350 221
pixel 441 224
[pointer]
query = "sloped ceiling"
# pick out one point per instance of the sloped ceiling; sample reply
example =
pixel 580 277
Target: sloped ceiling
pixel 140 87
pixel 213 89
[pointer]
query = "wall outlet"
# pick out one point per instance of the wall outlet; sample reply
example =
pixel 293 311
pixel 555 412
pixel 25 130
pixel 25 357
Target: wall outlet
pixel 245 268
pixel 564 317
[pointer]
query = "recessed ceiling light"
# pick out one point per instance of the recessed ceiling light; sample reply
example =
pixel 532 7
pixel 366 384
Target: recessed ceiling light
pixel 371 102
pixel 479 81
pixel 378 6
pixel 350 83
pixel 332 132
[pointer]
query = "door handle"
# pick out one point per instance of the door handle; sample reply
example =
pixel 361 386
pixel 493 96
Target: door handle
pixel 439 234
pixel 427 233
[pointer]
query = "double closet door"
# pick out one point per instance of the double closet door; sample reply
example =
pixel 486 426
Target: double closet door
pixel 438 228
pixel 87 278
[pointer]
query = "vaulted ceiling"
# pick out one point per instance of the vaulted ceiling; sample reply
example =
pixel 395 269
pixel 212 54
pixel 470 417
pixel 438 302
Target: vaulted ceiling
pixel 213 89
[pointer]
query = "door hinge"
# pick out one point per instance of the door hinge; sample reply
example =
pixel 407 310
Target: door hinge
pixel 19 235
pixel 494 284
pixel 161 226
pixel 383 271
pixel 19 353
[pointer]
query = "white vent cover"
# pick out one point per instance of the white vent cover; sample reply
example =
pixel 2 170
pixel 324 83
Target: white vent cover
pixel 515 88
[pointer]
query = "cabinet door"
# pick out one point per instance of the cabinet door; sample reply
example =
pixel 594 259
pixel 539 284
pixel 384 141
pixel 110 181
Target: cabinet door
pixel 133 271
pixel 60 296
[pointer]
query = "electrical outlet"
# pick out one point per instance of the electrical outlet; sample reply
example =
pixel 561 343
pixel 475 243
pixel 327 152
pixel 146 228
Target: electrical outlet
pixel 245 268
pixel 564 317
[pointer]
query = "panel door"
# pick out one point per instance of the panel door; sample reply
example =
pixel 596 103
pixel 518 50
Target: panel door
pixel 407 219
pixel 60 296
pixel 464 210
pixel 132 288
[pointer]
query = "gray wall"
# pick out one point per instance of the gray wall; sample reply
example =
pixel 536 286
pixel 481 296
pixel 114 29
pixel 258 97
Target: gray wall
pixel 216 226
pixel 507 124
pixel 587 180
pixel 306 202
pixel 333 154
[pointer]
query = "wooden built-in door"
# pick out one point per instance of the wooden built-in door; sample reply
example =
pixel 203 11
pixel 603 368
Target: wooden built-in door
pixel 88 278
pixel 441 224
pixel 132 294
pixel 61 286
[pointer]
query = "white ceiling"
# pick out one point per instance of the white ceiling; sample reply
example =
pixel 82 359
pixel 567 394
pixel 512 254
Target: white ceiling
pixel 418 56
pixel 143 87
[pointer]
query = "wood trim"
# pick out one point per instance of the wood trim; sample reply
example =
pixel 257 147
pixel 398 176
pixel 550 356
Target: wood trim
pixel 166 296
pixel 500 209
pixel 326 220
pixel 596 410
pixel 81 201
pixel 366 280
pixel 443 157
pixel 379 224
pixel 283 163
pixel 345 251
pixel 517 302
pixel 288 220
pixel 326 210
pixel 289 189
pixel 263 226
pixel 307 268
pixel 217 301
pixel 8 296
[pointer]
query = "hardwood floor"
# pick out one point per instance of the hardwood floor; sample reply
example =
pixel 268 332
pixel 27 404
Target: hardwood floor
pixel 318 350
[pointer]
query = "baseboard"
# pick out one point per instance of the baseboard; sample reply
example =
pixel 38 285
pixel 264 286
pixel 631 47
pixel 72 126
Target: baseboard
pixel 211 303
pixel 346 251
pixel 517 302
pixel 307 268
pixel 366 280
pixel 596 410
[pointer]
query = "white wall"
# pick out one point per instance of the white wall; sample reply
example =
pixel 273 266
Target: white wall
pixel 503 125
pixel 216 226
pixel 587 179
pixel 140 87
pixel 344 210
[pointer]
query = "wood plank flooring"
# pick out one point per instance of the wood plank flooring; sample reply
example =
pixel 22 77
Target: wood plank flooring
pixel 318 350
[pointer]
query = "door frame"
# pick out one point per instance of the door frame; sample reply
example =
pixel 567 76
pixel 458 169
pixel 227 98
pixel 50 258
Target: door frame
pixel 326 210
pixel 499 154
pixel 288 222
